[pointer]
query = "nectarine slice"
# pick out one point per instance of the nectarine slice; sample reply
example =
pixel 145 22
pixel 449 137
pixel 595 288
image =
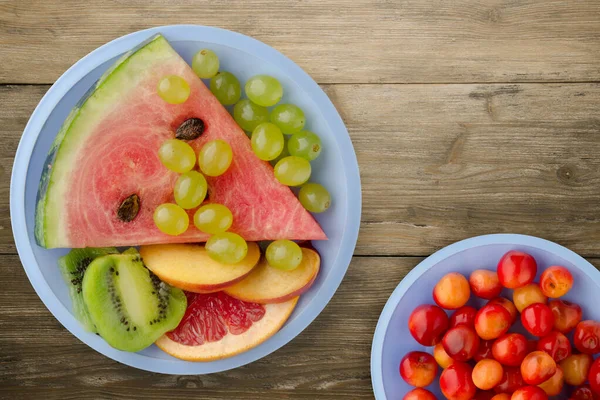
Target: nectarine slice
pixel 266 284
pixel 188 266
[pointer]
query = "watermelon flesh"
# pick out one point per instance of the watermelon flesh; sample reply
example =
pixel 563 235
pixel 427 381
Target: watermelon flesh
pixel 107 150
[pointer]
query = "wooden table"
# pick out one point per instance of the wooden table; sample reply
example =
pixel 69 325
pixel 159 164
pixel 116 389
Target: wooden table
pixel 468 117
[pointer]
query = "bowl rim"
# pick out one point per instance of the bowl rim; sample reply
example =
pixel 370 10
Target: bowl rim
pixel 438 256
pixel 217 36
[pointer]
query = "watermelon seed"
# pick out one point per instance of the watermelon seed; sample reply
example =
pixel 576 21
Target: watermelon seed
pixel 129 208
pixel 190 129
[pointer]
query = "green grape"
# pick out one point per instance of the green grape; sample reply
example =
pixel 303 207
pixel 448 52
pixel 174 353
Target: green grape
pixel 213 218
pixel 173 89
pixel 176 155
pixel 314 197
pixel 267 141
pixel 215 157
pixel 227 248
pixel 249 115
pixel 171 219
pixel 292 171
pixel 288 117
pixel 305 144
pixel 284 153
pixel 226 88
pixel 205 63
pixel 264 90
pixel 190 189
pixel 284 254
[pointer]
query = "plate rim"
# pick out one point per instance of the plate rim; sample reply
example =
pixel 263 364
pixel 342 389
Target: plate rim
pixel 438 256
pixel 112 49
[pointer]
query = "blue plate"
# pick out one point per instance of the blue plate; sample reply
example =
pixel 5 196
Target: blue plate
pixel 393 340
pixel 336 168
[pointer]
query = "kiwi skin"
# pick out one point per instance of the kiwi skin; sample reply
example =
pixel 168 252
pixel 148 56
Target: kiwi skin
pixel 72 268
pixel 130 307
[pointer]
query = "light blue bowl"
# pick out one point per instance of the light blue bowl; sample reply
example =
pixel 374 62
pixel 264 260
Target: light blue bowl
pixel 336 168
pixel 392 338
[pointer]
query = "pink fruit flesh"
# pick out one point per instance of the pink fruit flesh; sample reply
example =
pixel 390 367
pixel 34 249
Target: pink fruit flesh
pixel 209 317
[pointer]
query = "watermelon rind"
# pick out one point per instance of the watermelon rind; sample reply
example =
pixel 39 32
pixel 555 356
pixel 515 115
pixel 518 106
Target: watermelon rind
pixel 123 76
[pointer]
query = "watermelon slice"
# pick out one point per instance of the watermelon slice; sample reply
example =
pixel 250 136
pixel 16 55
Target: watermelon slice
pixel 107 150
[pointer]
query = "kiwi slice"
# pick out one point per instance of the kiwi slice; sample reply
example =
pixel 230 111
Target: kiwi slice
pixel 72 267
pixel 130 307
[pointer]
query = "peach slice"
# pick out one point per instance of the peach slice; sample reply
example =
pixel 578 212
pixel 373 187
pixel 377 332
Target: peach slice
pixel 266 284
pixel 188 266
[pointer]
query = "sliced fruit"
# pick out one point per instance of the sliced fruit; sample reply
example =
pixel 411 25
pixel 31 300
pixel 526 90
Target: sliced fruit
pixel 189 267
pixel 72 268
pixel 129 305
pixel 266 284
pixel 103 156
pixel 217 326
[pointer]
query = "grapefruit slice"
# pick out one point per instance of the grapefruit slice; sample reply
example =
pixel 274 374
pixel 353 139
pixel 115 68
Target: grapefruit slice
pixel 266 284
pixel 217 326
pixel 188 266
pixel 107 151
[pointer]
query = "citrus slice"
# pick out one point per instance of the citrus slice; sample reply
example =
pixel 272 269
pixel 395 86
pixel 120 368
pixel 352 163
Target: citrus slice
pixel 217 326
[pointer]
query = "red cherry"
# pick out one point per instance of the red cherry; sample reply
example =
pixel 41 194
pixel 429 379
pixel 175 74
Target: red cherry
pixel 594 376
pixel 461 342
pixel 587 337
pixel 566 315
pixel 556 344
pixel 511 380
pixel 456 382
pixel 516 269
pixel 510 349
pixel 463 316
pixel 538 319
pixel 491 321
pixel 427 324
pixel 529 393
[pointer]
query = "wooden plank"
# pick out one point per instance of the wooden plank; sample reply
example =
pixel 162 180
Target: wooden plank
pixel 440 163
pixel 335 41
pixel 329 360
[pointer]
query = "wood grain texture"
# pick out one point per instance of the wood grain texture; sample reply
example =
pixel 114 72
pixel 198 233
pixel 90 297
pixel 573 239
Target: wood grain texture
pixel 329 360
pixel 440 163
pixel 336 41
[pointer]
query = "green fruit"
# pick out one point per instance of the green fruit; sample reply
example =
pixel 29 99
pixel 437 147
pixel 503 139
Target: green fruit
pixel 171 219
pixel 213 218
pixel 292 171
pixel 284 254
pixel 289 118
pixel 205 64
pixel 226 88
pixel 284 153
pixel 72 268
pixel 267 141
pixel 190 189
pixel 314 197
pixel 305 144
pixel 227 248
pixel 249 115
pixel 264 90
pixel 130 307
pixel 173 89
pixel 215 157
pixel 176 155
